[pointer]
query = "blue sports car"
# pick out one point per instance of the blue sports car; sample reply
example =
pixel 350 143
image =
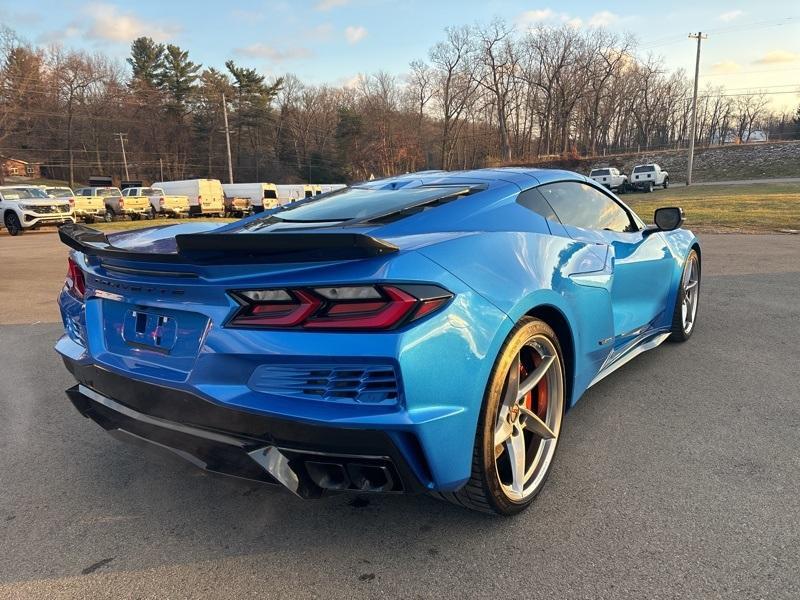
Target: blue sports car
pixel 422 333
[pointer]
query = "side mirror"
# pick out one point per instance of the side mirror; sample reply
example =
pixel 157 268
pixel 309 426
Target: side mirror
pixel 669 218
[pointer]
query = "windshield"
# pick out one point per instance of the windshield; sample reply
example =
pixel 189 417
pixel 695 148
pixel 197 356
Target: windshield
pixel 34 192
pixel 644 169
pixel 59 192
pixel 362 203
pixel 108 192
pixel 18 194
pixel 597 172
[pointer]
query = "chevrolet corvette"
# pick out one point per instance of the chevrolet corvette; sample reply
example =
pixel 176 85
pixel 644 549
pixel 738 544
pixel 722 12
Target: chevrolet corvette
pixel 421 333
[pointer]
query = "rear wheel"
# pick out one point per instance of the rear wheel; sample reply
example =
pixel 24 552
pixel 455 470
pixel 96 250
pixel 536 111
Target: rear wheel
pixel 108 216
pixel 519 426
pixel 88 219
pixel 649 187
pixel 12 224
pixel 666 182
pixel 686 301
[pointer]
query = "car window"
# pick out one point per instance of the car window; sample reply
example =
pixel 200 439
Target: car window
pixel 581 205
pixel 599 172
pixel 644 169
pixel 533 200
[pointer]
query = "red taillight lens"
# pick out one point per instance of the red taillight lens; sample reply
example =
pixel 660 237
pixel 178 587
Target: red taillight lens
pixel 75 283
pixel 72 201
pixel 344 307
pixel 161 202
pixel 121 202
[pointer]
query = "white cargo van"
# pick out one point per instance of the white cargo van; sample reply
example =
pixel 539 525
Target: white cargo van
pixel 294 192
pixel 262 196
pixel 206 196
pixel 331 187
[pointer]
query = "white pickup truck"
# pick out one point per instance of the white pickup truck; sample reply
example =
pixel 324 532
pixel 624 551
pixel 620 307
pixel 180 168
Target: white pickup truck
pixel 611 178
pixel 161 203
pixel 648 177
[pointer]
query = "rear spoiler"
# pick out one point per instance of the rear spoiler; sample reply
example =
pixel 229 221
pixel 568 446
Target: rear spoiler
pixel 228 248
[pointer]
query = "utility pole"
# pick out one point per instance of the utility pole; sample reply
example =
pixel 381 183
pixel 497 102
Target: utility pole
pixel 227 138
pixel 124 160
pixel 693 123
pixel 161 167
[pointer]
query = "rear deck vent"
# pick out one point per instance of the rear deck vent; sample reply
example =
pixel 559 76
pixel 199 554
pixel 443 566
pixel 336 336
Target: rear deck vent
pixel 367 384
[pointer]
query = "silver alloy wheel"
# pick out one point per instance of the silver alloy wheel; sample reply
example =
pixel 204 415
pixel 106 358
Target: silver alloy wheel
pixel 690 289
pixel 529 418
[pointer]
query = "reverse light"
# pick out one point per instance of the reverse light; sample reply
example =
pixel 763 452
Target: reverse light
pixel 351 307
pixel 75 282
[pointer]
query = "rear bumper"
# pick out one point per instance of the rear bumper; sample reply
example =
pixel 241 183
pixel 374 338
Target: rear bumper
pixel 305 458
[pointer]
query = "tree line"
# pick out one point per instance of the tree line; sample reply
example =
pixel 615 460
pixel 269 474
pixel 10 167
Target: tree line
pixel 485 95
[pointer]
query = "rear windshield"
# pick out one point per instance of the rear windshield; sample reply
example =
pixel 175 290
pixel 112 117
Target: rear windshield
pixel 108 192
pixel 644 169
pixel 363 203
pixel 270 194
pixel 151 192
pixel 598 172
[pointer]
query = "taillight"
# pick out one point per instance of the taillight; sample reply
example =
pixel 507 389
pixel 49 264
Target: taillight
pixel 71 201
pixel 75 282
pixel 377 307
pixel 161 202
pixel 121 202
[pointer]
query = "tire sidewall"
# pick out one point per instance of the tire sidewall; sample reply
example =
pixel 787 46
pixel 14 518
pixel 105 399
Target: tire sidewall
pixel 523 331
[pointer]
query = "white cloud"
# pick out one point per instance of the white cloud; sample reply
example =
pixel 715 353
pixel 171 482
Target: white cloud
pixel 107 22
pixel 354 34
pixel 575 22
pixel 725 67
pixel 324 5
pixel 777 57
pixel 531 17
pixel 604 18
pixel 730 15
pixel 260 50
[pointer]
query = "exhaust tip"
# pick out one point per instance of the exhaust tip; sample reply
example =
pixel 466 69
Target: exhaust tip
pixel 329 476
pixel 370 478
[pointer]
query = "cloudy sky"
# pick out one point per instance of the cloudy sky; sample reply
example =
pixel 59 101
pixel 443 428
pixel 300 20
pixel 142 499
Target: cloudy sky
pixel 750 45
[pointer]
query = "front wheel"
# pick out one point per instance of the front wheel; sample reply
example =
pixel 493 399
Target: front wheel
pixel 666 182
pixel 13 225
pixel 684 314
pixel 519 425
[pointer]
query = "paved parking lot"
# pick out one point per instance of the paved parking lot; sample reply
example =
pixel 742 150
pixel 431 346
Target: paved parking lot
pixel 677 477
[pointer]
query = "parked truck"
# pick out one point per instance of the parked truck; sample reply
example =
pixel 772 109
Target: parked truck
pixel 611 178
pixel 160 202
pixel 648 177
pixel 206 196
pixel 115 205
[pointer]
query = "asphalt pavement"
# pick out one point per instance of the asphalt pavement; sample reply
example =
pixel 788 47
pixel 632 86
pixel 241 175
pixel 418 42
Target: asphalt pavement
pixel 676 477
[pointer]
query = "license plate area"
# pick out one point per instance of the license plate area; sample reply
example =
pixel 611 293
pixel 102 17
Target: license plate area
pixel 150 330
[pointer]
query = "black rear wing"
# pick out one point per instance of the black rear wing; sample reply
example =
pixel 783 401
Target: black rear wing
pixel 230 248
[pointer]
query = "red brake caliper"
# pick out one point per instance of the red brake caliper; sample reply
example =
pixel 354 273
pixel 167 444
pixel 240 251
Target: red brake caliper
pixel 540 390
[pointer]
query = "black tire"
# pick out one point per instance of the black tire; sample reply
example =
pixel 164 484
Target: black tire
pixel 483 491
pixel 135 217
pixel 12 224
pixel 678 331
pixel 666 182
pixel 649 187
pixel 88 220
pixel 108 216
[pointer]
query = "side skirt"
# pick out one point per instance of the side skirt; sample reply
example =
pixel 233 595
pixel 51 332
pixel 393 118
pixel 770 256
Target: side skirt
pixel 646 344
